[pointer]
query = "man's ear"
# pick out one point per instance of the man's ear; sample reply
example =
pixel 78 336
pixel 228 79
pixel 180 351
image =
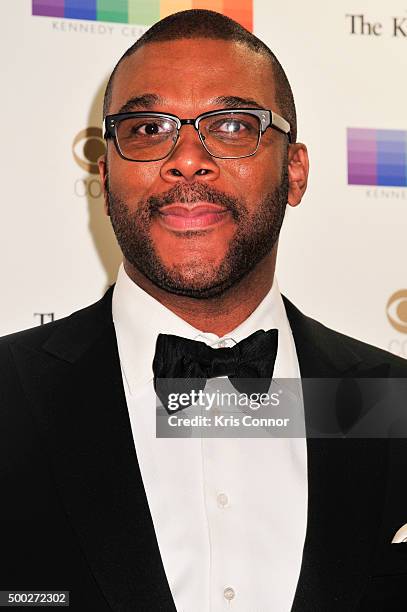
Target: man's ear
pixel 102 163
pixel 298 166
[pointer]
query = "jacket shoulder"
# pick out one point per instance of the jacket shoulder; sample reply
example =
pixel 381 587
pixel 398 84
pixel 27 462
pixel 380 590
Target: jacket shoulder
pixel 33 336
pixel 36 337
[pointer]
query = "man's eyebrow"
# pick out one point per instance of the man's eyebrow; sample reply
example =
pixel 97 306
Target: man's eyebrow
pixel 144 101
pixel 147 100
pixel 237 102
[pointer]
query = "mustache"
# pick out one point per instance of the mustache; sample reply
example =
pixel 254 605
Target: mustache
pixel 195 192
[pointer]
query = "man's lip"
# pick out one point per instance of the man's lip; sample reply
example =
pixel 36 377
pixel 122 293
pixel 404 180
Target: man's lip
pixel 197 216
pixel 195 209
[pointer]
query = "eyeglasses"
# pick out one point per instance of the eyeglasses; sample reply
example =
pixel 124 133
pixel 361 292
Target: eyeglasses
pixel 225 134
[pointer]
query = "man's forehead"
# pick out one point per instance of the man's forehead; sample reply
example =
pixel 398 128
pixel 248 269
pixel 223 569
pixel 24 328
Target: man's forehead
pixel 194 71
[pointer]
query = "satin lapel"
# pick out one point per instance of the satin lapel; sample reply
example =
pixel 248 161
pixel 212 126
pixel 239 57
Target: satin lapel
pixel 75 389
pixel 346 480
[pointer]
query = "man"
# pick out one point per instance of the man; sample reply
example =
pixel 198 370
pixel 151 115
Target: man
pixel 201 160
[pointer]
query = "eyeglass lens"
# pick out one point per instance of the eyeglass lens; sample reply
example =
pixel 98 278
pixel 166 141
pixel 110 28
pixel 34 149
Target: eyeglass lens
pixel 146 138
pixel 151 138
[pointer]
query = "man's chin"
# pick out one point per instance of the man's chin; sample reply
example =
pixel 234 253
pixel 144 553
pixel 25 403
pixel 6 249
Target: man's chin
pixel 202 284
pixel 187 283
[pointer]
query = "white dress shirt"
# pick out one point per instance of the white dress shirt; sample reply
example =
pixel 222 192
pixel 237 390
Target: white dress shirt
pixel 229 514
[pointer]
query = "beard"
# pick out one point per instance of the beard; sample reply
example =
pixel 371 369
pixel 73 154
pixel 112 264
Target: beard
pixel 255 236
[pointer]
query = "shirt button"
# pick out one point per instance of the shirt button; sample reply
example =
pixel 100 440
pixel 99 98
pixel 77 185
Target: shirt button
pixel 229 593
pixel 223 500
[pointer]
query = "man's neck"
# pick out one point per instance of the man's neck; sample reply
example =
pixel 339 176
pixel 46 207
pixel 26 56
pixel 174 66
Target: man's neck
pixel 218 315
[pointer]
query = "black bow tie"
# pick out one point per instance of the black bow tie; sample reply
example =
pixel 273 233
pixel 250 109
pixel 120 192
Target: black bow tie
pixel 189 363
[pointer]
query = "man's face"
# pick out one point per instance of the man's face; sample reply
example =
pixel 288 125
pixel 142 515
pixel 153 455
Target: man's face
pixel 195 225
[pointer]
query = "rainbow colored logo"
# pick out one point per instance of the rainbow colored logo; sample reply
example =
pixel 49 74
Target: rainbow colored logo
pixel 142 12
pixel 377 157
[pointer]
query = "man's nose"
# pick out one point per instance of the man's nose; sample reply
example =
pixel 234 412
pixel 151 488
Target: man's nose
pixel 189 160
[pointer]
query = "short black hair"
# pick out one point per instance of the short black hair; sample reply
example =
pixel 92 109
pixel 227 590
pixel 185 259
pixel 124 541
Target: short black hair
pixel 200 23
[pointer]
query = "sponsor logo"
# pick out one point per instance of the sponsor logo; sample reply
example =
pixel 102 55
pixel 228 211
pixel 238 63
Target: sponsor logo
pixel 88 145
pixel 144 12
pixel 377 157
pixel 396 310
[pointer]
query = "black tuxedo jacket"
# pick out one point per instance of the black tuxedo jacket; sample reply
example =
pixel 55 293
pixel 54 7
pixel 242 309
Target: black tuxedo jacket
pixel 74 514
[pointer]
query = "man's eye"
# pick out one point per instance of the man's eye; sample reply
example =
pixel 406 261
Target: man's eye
pixel 147 129
pixel 231 127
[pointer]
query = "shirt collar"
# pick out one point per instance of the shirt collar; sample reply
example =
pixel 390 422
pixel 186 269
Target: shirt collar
pixel 139 318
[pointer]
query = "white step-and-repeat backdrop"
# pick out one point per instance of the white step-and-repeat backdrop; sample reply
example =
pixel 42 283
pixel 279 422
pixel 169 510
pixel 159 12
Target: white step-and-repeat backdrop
pixel 342 256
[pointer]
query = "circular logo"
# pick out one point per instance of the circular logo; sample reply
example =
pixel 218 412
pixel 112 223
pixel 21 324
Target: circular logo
pixel 396 310
pixel 92 147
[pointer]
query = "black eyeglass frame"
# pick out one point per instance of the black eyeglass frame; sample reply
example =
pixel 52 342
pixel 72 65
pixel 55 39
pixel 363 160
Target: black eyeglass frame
pixel 267 118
